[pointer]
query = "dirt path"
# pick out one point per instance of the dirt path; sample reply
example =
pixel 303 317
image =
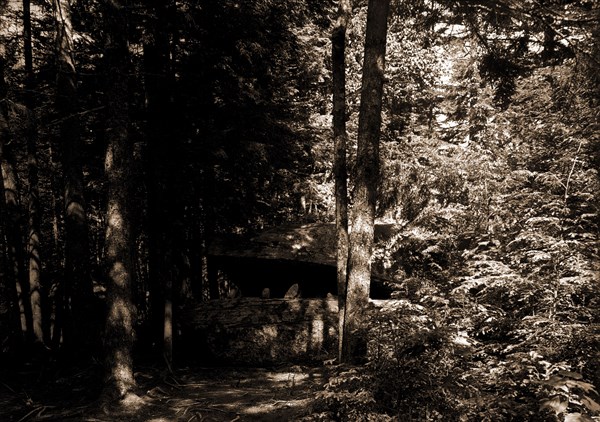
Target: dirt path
pixel 230 394
pixel 215 394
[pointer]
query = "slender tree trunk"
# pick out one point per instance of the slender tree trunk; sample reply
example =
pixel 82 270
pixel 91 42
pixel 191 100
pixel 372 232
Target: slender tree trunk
pixel 55 251
pixel 209 194
pixel 196 255
pixel 119 334
pixel 77 280
pixel 33 238
pixel 340 171
pixel 9 310
pixel 33 260
pixel 361 237
pixel 34 264
pixel 14 239
pixel 160 196
pixel 28 54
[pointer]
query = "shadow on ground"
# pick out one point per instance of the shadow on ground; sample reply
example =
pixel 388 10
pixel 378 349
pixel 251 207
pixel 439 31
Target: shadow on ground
pixel 199 394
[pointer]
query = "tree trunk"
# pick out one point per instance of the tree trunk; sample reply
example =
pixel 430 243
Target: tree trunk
pixel 28 54
pixel 9 311
pixel 77 281
pixel 161 209
pixel 209 227
pixel 340 171
pixel 119 334
pixel 14 238
pixel 55 252
pixel 361 237
pixel 34 266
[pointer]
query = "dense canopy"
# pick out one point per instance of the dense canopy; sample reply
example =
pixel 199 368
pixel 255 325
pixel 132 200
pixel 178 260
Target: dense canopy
pixel 140 140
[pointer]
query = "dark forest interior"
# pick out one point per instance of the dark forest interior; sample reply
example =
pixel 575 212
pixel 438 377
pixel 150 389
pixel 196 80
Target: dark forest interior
pixel 344 210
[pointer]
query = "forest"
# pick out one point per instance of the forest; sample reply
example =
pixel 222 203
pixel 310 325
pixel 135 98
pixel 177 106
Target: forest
pixel 418 182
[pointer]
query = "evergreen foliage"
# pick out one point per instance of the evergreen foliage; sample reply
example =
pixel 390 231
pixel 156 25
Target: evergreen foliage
pixel 490 158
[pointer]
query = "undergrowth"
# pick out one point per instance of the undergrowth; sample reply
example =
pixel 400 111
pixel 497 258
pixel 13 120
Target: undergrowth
pixel 513 335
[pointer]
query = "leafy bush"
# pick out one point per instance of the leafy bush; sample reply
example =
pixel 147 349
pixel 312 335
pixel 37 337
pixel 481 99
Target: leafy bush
pixel 413 360
pixel 348 396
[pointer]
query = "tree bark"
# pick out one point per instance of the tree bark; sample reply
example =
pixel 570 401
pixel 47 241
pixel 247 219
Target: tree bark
pixel 14 238
pixel 77 281
pixel 340 171
pixel 28 54
pixel 160 197
pixel 34 262
pixel 361 236
pixel 119 334
pixel 9 310
pixel 33 236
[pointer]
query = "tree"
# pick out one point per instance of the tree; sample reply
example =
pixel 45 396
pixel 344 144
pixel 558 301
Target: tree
pixel 340 170
pixel 12 229
pixel 366 175
pixel 77 287
pixel 161 198
pixel 34 266
pixel 119 332
pixel 9 311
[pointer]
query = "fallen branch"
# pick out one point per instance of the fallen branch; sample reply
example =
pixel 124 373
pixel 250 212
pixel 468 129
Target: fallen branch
pixel 8 387
pixel 37 409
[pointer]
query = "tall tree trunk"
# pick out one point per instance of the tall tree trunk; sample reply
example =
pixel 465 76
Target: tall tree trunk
pixel 34 265
pixel 119 334
pixel 14 238
pixel 196 252
pixel 77 281
pixel 361 237
pixel 209 229
pixel 160 196
pixel 9 310
pixel 54 264
pixel 28 54
pixel 340 171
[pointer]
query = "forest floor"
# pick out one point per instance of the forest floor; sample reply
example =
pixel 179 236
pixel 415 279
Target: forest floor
pixel 282 393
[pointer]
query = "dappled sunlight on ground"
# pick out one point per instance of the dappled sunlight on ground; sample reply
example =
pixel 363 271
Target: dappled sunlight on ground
pixel 249 393
pixel 190 394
